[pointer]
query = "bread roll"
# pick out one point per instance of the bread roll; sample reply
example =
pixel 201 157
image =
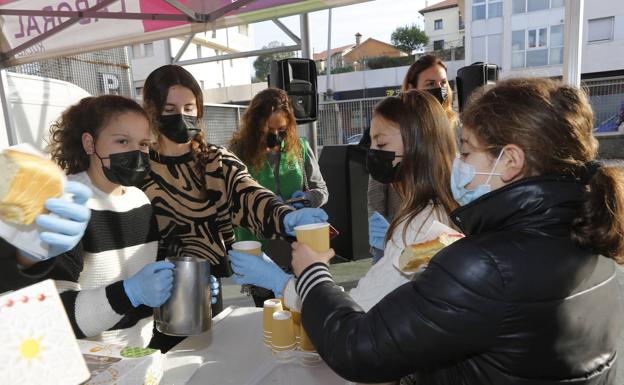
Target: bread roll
pixel 419 254
pixel 26 182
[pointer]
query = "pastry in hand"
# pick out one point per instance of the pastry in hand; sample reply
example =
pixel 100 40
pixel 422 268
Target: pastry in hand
pixel 419 254
pixel 26 182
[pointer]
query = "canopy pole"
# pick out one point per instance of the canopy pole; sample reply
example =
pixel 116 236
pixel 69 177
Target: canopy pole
pixel 4 100
pixel 306 53
pixel 572 41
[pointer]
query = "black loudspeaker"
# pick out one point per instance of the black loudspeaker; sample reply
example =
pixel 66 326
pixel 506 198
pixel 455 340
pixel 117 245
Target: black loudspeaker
pixel 344 170
pixel 298 78
pixel 471 77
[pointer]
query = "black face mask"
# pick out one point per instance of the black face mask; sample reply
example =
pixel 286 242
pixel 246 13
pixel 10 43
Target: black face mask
pixel 273 140
pixel 126 168
pixel 440 93
pixel 178 128
pixel 380 168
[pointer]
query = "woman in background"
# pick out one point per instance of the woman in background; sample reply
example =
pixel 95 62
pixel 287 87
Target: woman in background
pixel 268 144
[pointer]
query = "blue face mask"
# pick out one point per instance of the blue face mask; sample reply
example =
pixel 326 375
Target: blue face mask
pixel 462 174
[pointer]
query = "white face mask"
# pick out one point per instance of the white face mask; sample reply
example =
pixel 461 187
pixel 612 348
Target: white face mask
pixel 463 173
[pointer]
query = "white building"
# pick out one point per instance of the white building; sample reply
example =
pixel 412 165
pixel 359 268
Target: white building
pixel 525 37
pixel 146 57
pixel 444 25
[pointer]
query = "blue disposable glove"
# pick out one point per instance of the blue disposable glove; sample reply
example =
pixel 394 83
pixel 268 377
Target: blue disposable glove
pixel 65 229
pixel 377 229
pixel 214 289
pixel 259 271
pixel 152 285
pixel 279 198
pixel 296 195
pixel 303 217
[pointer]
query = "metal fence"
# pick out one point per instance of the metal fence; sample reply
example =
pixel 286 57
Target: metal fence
pixel 607 99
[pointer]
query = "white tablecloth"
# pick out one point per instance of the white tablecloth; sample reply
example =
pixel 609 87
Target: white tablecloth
pixel 232 352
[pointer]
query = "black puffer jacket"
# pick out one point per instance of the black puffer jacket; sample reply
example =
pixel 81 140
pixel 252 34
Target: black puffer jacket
pixel 515 302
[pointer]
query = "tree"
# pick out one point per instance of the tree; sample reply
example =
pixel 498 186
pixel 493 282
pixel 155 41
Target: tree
pixel 263 62
pixel 409 38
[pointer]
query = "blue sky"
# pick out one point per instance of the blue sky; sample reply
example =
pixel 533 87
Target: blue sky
pixel 376 19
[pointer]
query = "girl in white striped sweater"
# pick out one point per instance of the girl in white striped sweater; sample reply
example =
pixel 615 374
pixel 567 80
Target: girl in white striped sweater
pixel 111 280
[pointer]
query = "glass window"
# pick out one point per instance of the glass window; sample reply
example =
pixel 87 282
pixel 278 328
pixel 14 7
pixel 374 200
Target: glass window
pixel 495 49
pixel 517 40
pixel 437 24
pixel 518 6
pixel 556 35
pixel 557 3
pixel 543 42
pixel 538 57
pixel 438 45
pixel 537 5
pixel 149 49
pixel 556 55
pixel 537 38
pixel 517 59
pixel 495 10
pixel 478 49
pixel 600 29
pixel 478 12
pixel 532 38
pixel 478 1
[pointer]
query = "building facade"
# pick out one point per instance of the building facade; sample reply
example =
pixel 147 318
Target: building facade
pixel 444 25
pixel 146 57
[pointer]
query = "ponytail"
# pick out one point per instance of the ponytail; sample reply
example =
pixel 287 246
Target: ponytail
pixel 200 150
pixel 600 224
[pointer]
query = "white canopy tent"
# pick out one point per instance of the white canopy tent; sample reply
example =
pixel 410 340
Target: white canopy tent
pixel 33 30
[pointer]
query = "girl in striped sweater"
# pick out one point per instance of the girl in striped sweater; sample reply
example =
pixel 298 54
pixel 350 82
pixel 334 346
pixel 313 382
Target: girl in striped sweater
pixel 110 281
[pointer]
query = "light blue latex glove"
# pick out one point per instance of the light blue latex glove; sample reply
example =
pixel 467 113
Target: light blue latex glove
pixel 259 271
pixel 214 289
pixel 65 229
pixel 303 217
pixel 152 285
pixel 377 229
pixel 298 194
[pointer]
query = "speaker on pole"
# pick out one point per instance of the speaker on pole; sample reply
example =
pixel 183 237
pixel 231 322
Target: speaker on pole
pixel 471 77
pixel 298 78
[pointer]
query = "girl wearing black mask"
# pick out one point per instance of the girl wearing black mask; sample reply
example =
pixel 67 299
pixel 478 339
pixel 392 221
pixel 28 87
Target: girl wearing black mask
pixel 267 142
pixel 201 191
pixel 428 73
pixel 110 281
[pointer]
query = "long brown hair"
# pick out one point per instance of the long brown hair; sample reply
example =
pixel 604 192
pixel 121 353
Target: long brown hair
pixel 410 81
pixel 155 92
pixel 429 147
pixel 89 115
pixel 552 123
pixel 249 142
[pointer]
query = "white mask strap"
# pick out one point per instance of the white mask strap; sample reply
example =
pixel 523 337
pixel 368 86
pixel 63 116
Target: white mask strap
pixel 500 154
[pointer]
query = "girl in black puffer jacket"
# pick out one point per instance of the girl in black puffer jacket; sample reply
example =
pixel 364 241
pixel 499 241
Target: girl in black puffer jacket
pixel 530 295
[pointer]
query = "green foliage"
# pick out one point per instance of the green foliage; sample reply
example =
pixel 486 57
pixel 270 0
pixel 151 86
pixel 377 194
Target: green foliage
pixel 263 62
pixel 409 38
pixel 388 62
pixel 339 70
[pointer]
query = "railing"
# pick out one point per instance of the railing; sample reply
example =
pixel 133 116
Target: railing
pixel 607 99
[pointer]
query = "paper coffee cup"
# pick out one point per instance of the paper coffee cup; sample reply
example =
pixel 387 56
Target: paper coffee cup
pixel 315 236
pixel 248 247
pixel 305 344
pixel 270 307
pixel 283 335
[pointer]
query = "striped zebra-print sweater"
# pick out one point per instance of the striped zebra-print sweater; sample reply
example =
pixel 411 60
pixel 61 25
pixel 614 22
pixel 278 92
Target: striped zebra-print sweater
pixel 196 213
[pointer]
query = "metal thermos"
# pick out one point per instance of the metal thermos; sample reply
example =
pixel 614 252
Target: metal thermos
pixel 187 312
